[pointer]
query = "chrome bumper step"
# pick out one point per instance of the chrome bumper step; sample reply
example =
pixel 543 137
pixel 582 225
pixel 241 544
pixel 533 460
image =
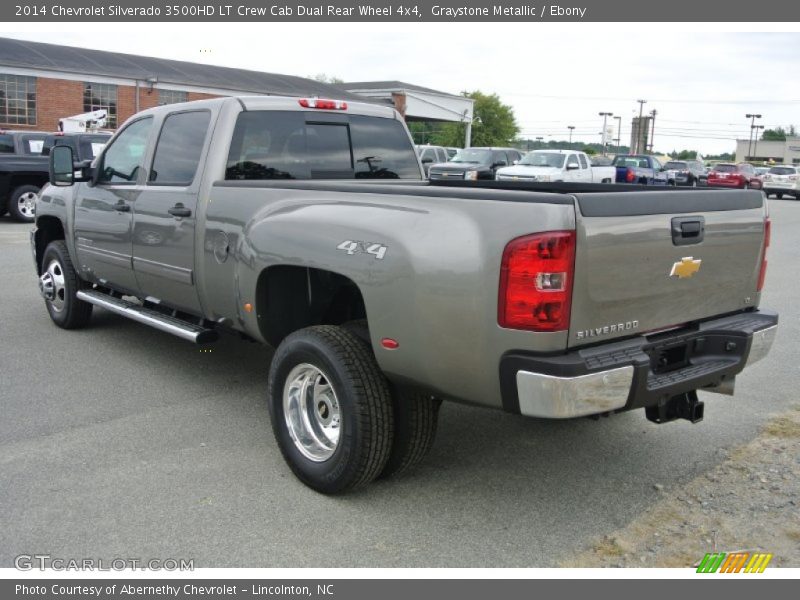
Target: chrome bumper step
pixel 153 318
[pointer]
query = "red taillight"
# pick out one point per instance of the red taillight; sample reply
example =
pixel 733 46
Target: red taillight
pixel 630 175
pixel 536 282
pixel 763 272
pixel 323 104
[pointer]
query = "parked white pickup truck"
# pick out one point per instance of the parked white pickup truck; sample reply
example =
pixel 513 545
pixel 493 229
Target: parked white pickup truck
pixel 556 165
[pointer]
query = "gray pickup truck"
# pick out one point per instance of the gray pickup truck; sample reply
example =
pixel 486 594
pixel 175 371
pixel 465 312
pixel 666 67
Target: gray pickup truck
pixel 306 224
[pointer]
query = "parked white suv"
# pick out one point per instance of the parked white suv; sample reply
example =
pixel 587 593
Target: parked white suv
pixel 780 180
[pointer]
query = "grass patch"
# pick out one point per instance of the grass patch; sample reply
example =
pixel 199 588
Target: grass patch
pixel 608 548
pixel 782 427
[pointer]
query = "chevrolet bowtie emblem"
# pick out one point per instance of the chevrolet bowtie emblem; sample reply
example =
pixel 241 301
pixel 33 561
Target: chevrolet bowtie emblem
pixel 685 267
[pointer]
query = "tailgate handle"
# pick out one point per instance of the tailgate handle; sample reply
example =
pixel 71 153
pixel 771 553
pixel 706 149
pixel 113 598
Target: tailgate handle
pixel 688 230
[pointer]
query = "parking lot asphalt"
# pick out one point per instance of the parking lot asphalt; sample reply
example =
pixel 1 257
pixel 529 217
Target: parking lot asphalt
pixel 122 441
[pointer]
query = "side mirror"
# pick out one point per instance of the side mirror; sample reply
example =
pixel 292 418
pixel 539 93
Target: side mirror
pixel 427 160
pixel 62 168
pixel 573 167
pixel 499 163
pixel 516 162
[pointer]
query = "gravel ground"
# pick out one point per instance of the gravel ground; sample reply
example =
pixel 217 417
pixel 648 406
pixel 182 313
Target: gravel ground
pixel 749 502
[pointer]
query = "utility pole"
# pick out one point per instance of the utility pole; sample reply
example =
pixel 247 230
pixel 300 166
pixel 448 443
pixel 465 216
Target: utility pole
pixel 619 133
pixel 539 139
pixel 638 148
pixel 752 118
pixel 605 116
pixel 570 127
pixel 755 140
pixel 653 113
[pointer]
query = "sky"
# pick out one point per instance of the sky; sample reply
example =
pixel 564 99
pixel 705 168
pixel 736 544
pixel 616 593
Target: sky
pixel 700 82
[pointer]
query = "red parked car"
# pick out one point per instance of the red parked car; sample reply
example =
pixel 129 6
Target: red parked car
pixel 739 175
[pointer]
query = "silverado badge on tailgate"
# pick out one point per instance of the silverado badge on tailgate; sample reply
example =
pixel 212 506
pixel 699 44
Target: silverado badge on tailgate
pixel 685 267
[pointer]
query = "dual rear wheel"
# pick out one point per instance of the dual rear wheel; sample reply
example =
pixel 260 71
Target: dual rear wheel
pixel 338 421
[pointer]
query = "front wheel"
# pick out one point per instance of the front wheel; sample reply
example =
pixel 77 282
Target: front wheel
pixel 22 203
pixel 331 409
pixel 59 285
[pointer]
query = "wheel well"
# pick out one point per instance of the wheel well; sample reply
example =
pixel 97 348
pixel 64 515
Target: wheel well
pixel 26 179
pixel 289 298
pixel 48 229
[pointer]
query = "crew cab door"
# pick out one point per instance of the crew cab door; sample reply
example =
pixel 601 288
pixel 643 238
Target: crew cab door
pixel 104 210
pixel 165 212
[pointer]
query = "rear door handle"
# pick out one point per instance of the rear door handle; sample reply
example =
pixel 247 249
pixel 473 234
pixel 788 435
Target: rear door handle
pixel 122 207
pixel 179 210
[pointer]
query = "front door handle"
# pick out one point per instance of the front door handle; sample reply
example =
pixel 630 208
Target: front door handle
pixel 122 207
pixel 179 210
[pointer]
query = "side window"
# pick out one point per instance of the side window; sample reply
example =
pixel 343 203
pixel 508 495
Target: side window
pixel 572 161
pixel 427 154
pixel 178 148
pixel 123 159
pixel 441 155
pixel 656 165
pixel 499 157
pixel 514 156
pixel 584 162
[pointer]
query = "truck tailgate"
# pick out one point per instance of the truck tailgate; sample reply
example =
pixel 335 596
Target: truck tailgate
pixel 652 260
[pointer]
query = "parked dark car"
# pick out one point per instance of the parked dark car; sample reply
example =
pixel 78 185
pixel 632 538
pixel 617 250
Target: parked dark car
pixel 641 169
pixel 475 163
pixel 730 175
pixel 690 173
pixel 23 174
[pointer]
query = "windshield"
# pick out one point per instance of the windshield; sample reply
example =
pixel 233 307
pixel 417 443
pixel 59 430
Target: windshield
pixel 553 160
pixel 473 155
pixel 725 168
pixel 677 165
pixel 783 171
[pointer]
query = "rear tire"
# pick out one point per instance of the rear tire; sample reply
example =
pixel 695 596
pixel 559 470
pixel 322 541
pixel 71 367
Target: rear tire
pixel 779 196
pixel 22 203
pixel 331 409
pixel 59 284
pixel 416 415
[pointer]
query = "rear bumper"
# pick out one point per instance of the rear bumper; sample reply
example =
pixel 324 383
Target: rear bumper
pixel 637 372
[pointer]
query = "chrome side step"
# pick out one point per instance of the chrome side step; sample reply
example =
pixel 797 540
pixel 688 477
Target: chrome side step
pixel 182 329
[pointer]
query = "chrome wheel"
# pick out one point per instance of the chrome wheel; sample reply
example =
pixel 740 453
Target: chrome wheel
pixel 52 285
pixel 312 412
pixel 26 204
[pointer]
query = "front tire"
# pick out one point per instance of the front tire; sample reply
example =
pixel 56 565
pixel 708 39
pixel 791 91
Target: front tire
pixel 331 409
pixel 22 203
pixel 59 284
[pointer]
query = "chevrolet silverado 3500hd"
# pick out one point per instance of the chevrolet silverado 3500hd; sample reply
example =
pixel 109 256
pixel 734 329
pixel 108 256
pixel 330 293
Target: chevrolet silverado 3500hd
pixel 306 224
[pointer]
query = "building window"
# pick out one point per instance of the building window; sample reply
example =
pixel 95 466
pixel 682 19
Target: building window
pixel 17 100
pixel 101 96
pixel 170 97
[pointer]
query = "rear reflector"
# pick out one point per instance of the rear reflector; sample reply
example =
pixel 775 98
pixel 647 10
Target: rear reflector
pixel 536 282
pixel 763 271
pixel 323 104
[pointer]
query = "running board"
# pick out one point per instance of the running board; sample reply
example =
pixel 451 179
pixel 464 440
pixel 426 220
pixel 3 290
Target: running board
pixel 182 329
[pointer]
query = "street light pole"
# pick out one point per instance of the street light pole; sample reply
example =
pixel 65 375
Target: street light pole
pixel 570 127
pixel 653 113
pixel 752 118
pixel 605 116
pixel 619 133
pixel 638 148
pixel 755 140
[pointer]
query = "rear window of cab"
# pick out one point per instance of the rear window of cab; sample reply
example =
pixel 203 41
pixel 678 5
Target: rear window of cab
pixel 306 145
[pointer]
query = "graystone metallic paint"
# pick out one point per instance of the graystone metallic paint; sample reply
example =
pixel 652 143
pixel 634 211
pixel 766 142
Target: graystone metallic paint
pixel 436 289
